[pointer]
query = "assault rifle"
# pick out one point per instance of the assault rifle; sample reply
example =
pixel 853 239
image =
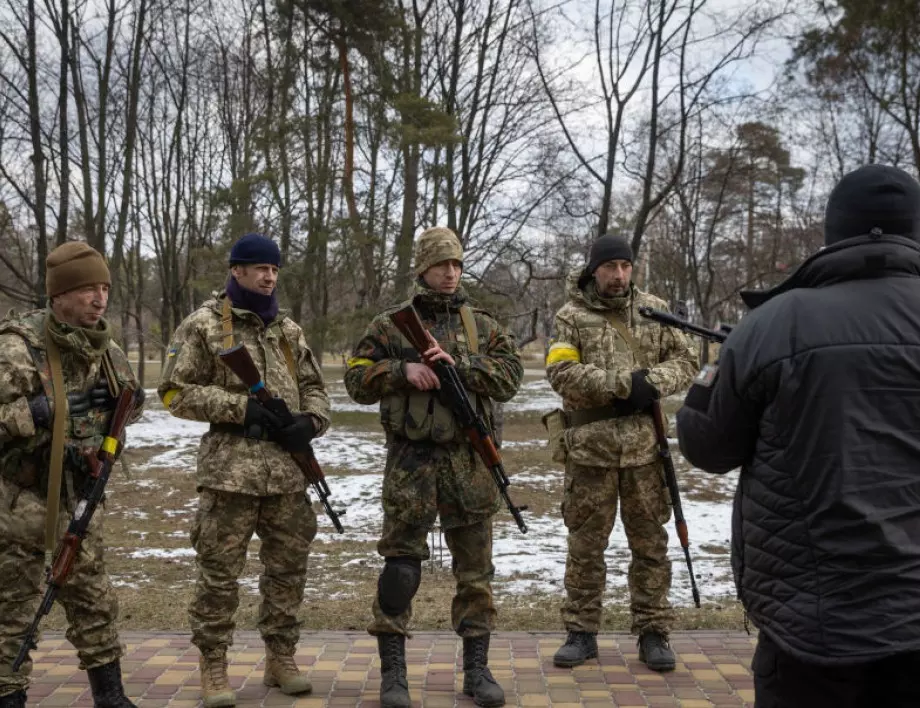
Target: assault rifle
pixel 239 361
pixel 454 396
pixel 661 433
pixel 669 320
pixel 670 478
pixel 100 467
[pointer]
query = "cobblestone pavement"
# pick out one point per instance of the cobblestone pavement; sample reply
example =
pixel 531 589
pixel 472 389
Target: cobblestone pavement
pixel 161 669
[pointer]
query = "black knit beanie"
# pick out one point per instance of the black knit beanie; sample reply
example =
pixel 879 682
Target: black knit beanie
pixel 873 197
pixel 254 249
pixel 606 248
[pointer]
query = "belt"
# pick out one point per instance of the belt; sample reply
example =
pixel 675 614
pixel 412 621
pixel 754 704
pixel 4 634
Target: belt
pixel 617 409
pixel 236 429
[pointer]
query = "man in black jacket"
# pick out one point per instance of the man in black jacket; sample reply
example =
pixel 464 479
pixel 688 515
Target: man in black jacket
pixel 817 397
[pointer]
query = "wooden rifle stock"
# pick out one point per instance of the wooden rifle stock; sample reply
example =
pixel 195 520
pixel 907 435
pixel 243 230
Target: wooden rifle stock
pixel 238 359
pixel 455 397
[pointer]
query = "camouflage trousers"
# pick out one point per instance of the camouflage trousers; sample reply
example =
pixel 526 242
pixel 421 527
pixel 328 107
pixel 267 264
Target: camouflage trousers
pixel 589 509
pixel 472 612
pixel 224 524
pixel 87 597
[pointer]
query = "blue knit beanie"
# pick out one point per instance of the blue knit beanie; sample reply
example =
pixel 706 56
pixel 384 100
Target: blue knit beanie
pixel 253 249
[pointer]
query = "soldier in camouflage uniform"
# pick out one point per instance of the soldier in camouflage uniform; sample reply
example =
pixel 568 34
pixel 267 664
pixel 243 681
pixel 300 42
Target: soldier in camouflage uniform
pixel 247 480
pixel 430 469
pixel 72 334
pixel 608 363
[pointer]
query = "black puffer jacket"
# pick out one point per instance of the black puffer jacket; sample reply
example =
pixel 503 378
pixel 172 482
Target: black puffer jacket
pixel 817 397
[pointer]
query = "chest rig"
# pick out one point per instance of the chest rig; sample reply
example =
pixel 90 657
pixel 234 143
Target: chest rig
pixel 31 462
pixel 419 415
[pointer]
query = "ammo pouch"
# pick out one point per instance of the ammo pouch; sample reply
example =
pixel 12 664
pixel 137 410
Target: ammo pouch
pixel 556 423
pixel 420 416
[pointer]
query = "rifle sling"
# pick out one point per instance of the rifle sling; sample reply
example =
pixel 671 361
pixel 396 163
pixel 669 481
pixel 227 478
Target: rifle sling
pixel 58 432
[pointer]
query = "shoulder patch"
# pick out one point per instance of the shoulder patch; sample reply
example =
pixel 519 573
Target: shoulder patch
pixel 707 375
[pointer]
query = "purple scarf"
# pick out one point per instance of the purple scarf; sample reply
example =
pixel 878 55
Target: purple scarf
pixel 265 306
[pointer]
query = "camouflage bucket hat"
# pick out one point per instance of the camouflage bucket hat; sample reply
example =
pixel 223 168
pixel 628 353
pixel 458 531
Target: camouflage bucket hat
pixel 435 245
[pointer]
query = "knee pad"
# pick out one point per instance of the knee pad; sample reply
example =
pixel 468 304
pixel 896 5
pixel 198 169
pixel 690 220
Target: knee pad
pixel 398 584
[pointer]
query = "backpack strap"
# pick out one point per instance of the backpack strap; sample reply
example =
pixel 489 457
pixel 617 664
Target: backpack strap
pixel 226 321
pixel 58 431
pixel 289 357
pixel 469 325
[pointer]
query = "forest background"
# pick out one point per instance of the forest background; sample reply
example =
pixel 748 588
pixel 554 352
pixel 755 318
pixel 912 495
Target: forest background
pixel 708 131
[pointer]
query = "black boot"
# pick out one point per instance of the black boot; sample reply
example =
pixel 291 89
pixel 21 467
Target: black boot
pixel 394 687
pixel 655 652
pixel 13 700
pixel 477 679
pixel 105 682
pixel 578 648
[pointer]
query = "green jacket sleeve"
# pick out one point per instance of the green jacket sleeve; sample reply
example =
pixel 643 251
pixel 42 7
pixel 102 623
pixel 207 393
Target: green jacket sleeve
pixel 497 372
pixel 373 371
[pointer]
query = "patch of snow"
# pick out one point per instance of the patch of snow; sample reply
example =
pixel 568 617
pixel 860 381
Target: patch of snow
pixel 163 553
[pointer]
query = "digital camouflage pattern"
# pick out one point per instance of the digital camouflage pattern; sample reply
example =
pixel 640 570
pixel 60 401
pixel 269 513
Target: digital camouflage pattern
pixel 223 527
pixel 434 246
pixel 589 364
pixel 197 386
pixel 87 598
pixel 422 479
pixel 589 510
pixel 472 611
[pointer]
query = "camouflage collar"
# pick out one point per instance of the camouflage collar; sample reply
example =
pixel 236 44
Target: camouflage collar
pixel 426 298
pixel 91 343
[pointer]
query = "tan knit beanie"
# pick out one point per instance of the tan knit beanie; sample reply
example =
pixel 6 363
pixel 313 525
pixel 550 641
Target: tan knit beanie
pixel 73 265
pixel 435 245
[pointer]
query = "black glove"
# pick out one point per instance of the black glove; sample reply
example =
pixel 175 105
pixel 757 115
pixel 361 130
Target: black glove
pixel 643 392
pixel 296 437
pixel 98 397
pixel 260 422
pixel 41 411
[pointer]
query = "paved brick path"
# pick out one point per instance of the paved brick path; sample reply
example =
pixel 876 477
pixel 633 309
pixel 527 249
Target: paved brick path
pixel 161 669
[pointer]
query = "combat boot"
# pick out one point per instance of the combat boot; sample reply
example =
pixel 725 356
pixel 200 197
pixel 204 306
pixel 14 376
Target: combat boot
pixel 215 687
pixel 13 700
pixel 578 648
pixel 281 671
pixel 105 682
pixel 655 652
pixel 478 681
pixel 394 687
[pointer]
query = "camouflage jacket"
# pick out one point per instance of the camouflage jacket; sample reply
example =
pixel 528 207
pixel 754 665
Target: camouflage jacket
pixel 25 373
pixel 375 371
pixel 196 385
pixel 589 364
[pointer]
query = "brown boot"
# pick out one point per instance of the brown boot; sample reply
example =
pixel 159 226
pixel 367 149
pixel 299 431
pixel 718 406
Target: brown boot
pixel 281 671
pixel 215 687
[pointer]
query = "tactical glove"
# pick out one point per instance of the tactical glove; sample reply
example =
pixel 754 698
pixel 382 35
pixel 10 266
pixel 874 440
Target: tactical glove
pixel 643 392
pixel 260 422
pixel 41 411
pixel 296 437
